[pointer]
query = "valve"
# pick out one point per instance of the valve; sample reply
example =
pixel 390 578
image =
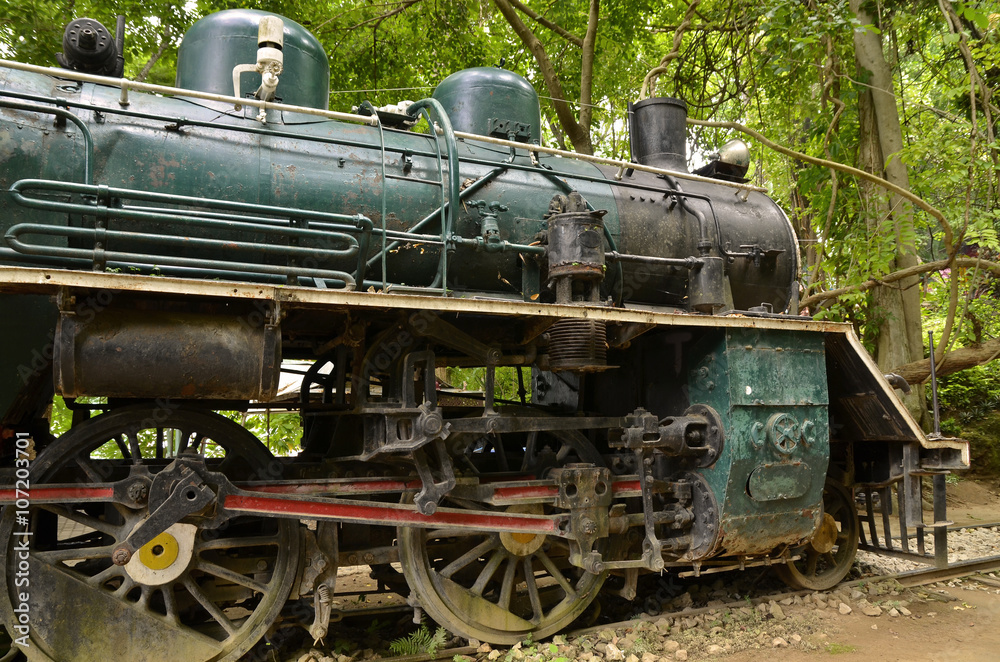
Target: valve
pixel 270 62
pixel 489 213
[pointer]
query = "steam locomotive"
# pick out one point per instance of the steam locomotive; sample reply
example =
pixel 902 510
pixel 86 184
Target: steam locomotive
pixel 173 253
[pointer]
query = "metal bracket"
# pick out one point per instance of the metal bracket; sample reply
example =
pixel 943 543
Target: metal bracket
pixel 698 434
pixel 585 490
pixel 436 484
pixel 177 492
pixel 509 129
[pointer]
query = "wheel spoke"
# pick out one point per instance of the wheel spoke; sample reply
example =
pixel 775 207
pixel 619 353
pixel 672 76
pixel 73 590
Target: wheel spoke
pixel 87 466
pixel 532 588
pixel 507 587
pixel 122 447
pixel 105 575
pixel 486 574
pixel 239 542
pixel 133 447
pixel 209 606
pixel 55 556
pixel 230 575
pixel 170 602
pixel 81 518
pixel 437 534
pixel 126 586
pixel 467 558
pixel 556 574
pixel 811 559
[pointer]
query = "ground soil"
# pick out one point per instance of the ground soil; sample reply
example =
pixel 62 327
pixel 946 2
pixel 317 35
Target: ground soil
pixel 964 629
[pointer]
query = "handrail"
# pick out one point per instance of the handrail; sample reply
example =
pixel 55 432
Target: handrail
pixel 450 192
pixel 332 232
pixel 125 85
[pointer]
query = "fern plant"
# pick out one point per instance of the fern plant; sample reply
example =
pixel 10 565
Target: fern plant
pixel 420 641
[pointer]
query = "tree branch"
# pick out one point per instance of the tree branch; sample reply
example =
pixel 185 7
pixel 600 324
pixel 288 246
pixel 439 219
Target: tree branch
pixel 952 362
pixel 867 176
pixel 576 133
pixel 649 82
pixel 587 66
pixel 381 17
pixel 164 42
pixel 541 20
pixel 927 267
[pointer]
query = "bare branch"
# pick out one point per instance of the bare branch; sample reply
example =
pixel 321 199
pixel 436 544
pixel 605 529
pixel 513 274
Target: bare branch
pixel 576 133
pixel 867 176
pixel 541 20
pixel 381 17
pixel 649 82
pixel 164 42
pixel 587 66
pixel 927 267
pixel 952 362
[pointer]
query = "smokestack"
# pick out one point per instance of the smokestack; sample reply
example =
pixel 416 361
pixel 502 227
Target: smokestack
pixel 658 133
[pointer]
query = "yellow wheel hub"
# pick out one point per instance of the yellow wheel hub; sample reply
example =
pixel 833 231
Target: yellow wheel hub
pixel 523 544
pixel 160 552
pixel 825 537
pixel 164 558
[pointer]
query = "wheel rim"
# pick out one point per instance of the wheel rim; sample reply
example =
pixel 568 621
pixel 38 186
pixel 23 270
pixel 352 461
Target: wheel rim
pixel 498 587
pixel 824 564
pixel 211 593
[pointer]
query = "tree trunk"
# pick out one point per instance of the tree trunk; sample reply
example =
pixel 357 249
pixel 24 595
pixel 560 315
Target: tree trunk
pixel 960 359
pixel 900 338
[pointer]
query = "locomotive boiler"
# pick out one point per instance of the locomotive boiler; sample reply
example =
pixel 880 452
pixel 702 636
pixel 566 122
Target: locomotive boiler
pixel 171 253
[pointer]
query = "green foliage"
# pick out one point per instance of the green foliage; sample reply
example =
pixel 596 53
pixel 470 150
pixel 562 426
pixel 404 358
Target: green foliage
pixel 506 384
pixel 971 392
pixel 420 642
pixel 280 431
pixel 983 435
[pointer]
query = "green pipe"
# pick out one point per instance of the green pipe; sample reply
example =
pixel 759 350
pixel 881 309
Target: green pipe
pixel 100 256
pixel 88 159
pixel 19 187
pixel 466 193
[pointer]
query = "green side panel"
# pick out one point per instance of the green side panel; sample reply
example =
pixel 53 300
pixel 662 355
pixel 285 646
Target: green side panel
pixel 770 389
pixel 220 41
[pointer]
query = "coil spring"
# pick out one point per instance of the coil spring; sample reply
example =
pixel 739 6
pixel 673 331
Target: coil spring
pixel 579 345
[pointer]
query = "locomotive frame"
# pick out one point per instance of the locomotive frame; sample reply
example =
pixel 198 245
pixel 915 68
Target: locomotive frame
pixel 682 435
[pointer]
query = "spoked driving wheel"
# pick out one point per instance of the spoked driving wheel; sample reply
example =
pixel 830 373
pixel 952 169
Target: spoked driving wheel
pixel 192 594
pixel 827 558
pixel 499 587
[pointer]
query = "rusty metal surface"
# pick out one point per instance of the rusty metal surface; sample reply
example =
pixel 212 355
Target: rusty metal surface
pixel 41 281
pixel 156 354
pixel 858 389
